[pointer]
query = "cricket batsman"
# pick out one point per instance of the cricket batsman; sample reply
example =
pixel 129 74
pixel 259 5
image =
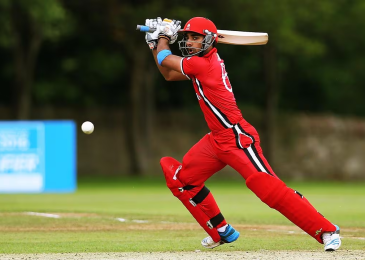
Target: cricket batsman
pixel 232 140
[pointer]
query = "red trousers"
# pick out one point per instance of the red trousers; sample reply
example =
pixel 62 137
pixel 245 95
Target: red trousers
pixel 238 147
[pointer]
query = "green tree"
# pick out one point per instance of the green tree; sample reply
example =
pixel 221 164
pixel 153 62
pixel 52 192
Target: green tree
pixel 25 25
pixel 122 20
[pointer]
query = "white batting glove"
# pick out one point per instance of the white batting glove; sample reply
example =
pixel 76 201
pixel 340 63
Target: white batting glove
pixel 153 23
pixel 169 29
pixel 152 38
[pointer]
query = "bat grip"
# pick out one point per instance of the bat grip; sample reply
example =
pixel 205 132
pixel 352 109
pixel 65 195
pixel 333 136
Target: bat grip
pixel 144 28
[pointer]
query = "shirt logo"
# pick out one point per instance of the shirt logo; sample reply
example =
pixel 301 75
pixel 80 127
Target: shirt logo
pixel 199 98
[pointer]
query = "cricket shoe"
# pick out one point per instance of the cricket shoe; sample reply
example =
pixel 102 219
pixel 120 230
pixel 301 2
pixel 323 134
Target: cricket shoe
pixel 228 236
pixel 332 240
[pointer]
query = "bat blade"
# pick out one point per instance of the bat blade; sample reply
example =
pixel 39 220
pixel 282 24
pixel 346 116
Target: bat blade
pixel 230 37
pixel 242 38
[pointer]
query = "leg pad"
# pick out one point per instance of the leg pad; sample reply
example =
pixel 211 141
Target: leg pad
pixel 273 192
pixel 193 202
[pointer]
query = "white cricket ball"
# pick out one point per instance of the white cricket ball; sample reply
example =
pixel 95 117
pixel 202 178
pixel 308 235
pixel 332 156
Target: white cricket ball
pixel 87 127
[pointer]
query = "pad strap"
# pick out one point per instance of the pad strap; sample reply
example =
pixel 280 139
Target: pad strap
pixel 200 196
pixel 215 221
pixel 187 187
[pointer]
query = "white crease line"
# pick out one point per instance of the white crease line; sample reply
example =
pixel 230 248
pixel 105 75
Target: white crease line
pixel 133 220
pixel 47 215
pixel 140 221
pixel 286 231
pixel 360 238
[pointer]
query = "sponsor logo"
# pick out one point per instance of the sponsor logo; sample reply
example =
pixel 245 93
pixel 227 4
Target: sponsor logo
pixel 151 45
pixel 188 27
pixel 318 232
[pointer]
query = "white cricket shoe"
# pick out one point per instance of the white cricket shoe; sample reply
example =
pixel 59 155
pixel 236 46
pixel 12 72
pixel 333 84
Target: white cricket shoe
pixel 228 236
pixel 208 242
pixel 332 240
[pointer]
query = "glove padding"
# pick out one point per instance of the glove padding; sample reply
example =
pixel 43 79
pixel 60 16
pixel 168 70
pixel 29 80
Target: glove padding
pixel 169 29
pixel 153 23
pixel 152 38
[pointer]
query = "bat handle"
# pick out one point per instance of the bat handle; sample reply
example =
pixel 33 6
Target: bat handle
pixel 144 28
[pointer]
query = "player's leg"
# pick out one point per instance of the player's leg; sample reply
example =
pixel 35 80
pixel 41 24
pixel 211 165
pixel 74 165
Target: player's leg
pixel 200 163
pixel 186 181
pixel 196 198
pixel 250 162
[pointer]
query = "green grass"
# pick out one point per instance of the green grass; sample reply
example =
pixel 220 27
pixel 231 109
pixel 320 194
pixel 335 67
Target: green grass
pixel 88 218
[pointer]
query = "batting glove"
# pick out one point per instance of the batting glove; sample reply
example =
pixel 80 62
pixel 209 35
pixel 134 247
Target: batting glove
pixel 152 38
pixel 169 29
pixel 153 23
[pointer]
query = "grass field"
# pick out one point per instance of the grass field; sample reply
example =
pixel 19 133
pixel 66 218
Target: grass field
pixel 125 215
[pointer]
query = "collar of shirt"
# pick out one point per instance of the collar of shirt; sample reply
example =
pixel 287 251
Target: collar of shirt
pixel 210 53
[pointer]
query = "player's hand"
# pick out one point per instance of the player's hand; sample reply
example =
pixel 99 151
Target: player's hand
pixel 169 29
pixel 152 38
pixel 153 23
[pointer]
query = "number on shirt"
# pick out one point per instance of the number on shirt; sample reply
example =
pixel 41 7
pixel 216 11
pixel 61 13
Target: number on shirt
pixel 225 78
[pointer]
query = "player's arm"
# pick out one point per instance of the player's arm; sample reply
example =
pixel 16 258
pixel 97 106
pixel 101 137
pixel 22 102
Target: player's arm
pixel 168 31
pixel 152 41
pixel 170 73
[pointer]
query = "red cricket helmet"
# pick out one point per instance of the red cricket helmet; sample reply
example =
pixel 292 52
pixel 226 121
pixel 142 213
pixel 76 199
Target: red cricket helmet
pixel 199 25
pixel 203 26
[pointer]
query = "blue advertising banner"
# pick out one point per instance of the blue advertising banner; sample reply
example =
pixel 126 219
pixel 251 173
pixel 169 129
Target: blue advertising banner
pixel 37 156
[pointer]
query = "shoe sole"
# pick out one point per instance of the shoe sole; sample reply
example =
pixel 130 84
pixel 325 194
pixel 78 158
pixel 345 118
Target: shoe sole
pixel 215 245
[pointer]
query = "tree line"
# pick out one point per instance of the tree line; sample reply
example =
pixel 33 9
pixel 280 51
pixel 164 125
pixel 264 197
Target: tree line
pixel 88 53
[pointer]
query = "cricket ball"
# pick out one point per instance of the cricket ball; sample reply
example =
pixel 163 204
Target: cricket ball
pixel 87 127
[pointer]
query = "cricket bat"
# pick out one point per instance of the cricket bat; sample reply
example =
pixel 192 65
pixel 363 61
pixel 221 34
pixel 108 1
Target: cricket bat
pixel 230 37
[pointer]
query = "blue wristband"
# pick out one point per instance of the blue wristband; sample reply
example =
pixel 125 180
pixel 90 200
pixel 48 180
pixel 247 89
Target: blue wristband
pixel 162 55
